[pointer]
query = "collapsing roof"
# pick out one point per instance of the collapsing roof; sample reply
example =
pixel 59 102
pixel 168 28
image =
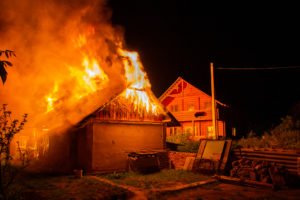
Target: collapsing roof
pixel 134 105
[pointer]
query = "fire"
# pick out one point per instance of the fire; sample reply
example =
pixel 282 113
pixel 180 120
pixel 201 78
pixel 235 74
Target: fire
pixel 51 98
pixel 136 77
pixel 138 83
pixel 88 79
pixel 141 100
pixel 75 64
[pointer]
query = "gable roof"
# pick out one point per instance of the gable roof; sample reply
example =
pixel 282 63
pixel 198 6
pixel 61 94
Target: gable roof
pixel 123 103
pixel 173 86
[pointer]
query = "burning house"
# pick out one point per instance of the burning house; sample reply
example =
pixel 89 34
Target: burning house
pixel 88 98
pixel 107 136
pixel 131 121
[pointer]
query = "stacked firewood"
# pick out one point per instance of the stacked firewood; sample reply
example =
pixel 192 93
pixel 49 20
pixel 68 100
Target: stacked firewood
pixel 258 170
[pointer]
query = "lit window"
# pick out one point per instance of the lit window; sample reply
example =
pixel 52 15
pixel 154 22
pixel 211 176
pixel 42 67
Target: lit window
pixel 210 131
pixel 188 130
pixel 191 107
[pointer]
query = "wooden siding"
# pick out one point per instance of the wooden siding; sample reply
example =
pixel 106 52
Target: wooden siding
pixel 183 100
pixel 196 128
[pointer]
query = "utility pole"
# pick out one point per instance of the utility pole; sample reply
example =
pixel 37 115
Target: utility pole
pixel 213 102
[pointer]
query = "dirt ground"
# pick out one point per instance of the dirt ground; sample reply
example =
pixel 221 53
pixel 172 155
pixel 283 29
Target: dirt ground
pixel 226 191
pixel 94 187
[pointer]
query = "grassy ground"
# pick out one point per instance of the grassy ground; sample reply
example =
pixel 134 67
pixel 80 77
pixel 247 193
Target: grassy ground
pixel 222 191
pixel 65 187
pixel 89 187
pixel 164 178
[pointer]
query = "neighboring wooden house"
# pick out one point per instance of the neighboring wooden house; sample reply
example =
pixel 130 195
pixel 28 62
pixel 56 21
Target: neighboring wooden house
pixel 192 108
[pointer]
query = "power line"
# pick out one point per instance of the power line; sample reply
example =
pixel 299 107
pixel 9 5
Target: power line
pixel 255 68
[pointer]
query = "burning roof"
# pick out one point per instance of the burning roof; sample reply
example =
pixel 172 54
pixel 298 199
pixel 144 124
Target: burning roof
pixel 71 60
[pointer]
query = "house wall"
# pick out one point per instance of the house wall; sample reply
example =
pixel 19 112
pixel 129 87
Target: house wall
pixel 196 129
pixel 84 147
pixel 111 143
pixel 61 155
pixel 183 100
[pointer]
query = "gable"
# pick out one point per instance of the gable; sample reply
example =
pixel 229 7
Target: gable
pixel 179 89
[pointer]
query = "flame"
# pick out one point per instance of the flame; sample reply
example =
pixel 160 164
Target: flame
pixel 75 64
pixel 89 79
pixel 71 60
pixel 138 83
pixel 51 98
pixel 134 70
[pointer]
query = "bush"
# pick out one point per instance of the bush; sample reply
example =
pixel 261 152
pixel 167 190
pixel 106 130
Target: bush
pixel 284 135
pixel 185 144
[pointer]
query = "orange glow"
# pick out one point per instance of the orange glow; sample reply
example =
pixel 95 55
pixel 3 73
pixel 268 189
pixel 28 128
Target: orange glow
pixel 51 98
pixel 76 63
pixel 87 79
pixel 139 87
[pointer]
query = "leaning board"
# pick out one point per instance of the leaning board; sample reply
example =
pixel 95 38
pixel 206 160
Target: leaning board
pixel 213 149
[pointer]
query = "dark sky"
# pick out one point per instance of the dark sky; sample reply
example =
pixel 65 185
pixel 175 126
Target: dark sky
pixel 180 38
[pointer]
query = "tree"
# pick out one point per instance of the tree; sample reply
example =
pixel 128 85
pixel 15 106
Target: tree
pixel 5 63
pixel 8 128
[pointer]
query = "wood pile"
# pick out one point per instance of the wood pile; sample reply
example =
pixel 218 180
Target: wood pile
pixel 260 171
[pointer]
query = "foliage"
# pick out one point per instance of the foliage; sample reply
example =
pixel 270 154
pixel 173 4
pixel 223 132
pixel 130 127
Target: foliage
pixel 185 144
pixel 190 146
pixel 8 128
pixel 5 63
pixel 284 135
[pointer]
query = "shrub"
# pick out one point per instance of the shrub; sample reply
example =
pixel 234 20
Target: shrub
pixel 186 145
pixel 284 135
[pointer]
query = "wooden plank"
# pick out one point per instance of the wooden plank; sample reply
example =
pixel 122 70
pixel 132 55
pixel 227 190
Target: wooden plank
pixel 201 148
pixel 243 181
pixel 272 160
pixel 189 162
pixel 288 158
pixel 278 152
pixel 271 156
pixel 213 150
pixel 225 154
pixel 298 166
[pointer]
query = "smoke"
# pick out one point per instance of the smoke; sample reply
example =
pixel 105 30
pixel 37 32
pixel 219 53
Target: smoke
pixel 50 39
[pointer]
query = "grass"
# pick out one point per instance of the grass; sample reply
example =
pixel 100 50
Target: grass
pixel 164 178
pixel 65 187
pixel 38 186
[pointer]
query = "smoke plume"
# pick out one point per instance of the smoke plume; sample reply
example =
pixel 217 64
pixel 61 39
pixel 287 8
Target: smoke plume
pixel 50 39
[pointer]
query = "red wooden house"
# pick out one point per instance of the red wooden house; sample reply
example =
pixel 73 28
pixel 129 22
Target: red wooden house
pixel 192 108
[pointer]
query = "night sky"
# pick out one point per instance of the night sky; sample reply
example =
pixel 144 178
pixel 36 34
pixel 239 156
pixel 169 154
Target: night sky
pixel 181 38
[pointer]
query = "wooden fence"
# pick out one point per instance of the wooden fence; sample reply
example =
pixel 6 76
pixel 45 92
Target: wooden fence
pixel 289 158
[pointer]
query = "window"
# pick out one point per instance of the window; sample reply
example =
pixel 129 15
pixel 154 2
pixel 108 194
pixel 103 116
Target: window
pixel 191 107
pixel 188 129
pixel 174 108
pixel 210 131
pixel 171 131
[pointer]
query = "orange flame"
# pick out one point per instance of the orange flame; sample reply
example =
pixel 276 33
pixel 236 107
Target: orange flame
pixel 138 83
